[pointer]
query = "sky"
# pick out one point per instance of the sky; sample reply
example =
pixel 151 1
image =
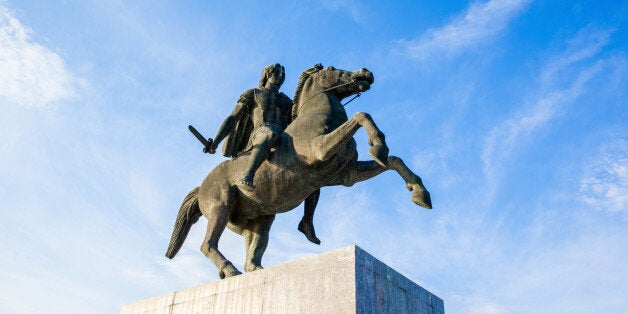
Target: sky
pixel 514 113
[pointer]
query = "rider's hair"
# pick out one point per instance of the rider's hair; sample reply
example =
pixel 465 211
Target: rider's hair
pixel 304 76
pixel 269 69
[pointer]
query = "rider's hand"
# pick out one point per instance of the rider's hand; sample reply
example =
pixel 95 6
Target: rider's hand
pixel 210 150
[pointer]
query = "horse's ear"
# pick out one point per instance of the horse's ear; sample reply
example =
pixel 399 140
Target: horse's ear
pixel 327 78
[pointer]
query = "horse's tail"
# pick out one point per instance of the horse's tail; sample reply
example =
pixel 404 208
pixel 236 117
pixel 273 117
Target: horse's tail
pixel 188 215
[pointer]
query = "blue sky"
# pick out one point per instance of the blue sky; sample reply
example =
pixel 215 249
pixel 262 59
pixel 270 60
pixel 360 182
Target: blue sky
pixel 514 112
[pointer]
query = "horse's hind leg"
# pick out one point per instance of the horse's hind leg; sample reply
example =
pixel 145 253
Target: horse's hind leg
pixel 217 217
pixel 256 240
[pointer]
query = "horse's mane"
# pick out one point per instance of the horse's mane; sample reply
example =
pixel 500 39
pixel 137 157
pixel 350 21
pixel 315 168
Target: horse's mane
pixel 297 94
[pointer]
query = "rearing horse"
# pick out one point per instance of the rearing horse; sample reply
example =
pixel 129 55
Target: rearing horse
pixel 316 150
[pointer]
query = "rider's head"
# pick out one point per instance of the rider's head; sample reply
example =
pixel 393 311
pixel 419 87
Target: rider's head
pixel 273 73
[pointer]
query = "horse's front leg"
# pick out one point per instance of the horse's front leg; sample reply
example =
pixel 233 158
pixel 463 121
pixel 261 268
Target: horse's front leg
pixel 420 195
pixel 358 172
pixel 364 170
pixel 379 149
pixel 327 145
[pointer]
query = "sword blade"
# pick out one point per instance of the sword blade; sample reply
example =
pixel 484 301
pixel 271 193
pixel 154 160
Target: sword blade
pixel 206 142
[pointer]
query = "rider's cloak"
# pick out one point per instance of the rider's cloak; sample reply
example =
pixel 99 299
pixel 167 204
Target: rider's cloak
pixel 238 140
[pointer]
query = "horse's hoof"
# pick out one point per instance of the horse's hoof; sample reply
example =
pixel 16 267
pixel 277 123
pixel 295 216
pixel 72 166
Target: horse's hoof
pixel 228 271
pixel 422 198
pixel 379 153
pixel 251 267
pixel 227 274
pixel 308 230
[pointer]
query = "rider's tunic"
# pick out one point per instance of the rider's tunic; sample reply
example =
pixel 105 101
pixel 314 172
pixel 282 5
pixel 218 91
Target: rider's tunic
pixel 254 126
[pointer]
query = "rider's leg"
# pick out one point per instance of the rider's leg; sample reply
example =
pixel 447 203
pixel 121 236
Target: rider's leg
pixel 263 141
pixel 307 225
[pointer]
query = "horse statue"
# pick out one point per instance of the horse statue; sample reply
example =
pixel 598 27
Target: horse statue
pixel 317 149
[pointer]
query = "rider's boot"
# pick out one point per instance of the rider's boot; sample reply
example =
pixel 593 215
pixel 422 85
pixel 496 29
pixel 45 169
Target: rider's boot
pixel 306 224
pixel 246 182
pixel 307 228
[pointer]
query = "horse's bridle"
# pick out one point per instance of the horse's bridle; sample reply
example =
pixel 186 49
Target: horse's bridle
pixel 353 81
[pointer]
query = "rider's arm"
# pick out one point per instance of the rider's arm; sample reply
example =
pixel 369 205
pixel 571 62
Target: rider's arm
pixel 230 122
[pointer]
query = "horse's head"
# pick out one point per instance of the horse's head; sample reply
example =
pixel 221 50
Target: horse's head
pixel 340 83
pixel 343 83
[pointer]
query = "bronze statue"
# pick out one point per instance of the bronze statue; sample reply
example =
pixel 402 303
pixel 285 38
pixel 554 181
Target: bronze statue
pixel 317 149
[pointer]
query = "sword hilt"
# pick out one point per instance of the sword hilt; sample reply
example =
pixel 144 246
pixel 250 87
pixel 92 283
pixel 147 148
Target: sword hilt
pixel 209 149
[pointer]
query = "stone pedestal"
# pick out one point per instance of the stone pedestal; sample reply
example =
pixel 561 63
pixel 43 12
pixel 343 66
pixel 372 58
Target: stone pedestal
pixel 347 280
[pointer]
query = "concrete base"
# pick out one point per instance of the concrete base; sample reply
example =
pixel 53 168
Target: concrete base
pixel 347 280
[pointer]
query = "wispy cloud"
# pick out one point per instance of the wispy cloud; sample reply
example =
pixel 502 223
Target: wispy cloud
pixel 502 143
pixel 30 74
pixel 605 184
pixel 482 22
pixel 494 264
pixel 586 44
pixel 509 135
pixel 478 305
pixel 588 266
pixel 353 8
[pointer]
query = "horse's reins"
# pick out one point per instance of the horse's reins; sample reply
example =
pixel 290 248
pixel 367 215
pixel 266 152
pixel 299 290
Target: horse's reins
pixel 354 97
pixel 332 88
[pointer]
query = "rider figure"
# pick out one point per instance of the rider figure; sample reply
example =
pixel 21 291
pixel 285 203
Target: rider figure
pixel 255 124
pixel 260 115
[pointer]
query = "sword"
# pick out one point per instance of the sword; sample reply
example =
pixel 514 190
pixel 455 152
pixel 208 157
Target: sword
pixel 206 142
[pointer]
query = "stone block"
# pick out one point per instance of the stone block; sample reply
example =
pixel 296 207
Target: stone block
pixel 346 280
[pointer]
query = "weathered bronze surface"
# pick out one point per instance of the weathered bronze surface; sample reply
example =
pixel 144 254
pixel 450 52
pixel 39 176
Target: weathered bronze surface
pixel 316 149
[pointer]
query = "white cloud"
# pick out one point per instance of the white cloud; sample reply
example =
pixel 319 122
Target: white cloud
pixel 30 74
pixel 502 143
pixel 493 265
pixel 586 43
pixel 511 133
pixel 147 198
pixel 479 25
pixel 589 266
pixel 605 185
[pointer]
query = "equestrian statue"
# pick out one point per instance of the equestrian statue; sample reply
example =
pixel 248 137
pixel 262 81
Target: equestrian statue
pixel 276 168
